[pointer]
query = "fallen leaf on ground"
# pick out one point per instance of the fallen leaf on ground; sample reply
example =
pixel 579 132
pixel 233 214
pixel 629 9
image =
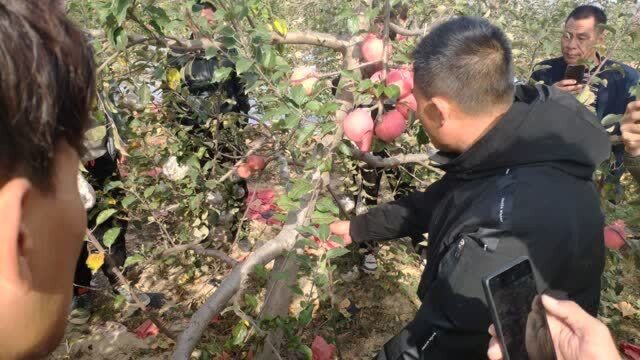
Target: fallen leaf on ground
pixel 148 328
pixel 626 309
pixel 322 350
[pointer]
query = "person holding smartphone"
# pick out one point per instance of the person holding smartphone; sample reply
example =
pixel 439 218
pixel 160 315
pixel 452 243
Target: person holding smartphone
pixel 579 61
pixel 518 163
pixel 575 334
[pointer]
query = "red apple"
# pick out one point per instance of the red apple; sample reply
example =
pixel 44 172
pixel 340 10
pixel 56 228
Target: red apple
pixel 366 142
pixel 306 77
pixel 393 124
pixel 407 103
pixel 372 48
pixel 377 77
pixel 244 171
pixel 402 79
pixel 615 234
pixel 256 162
pixel 357 124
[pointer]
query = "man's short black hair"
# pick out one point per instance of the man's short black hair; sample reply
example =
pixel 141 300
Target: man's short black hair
pixel 587 11
pixel 47 87
pixel 467 60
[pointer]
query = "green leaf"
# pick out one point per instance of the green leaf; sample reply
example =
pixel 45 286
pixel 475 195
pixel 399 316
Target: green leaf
pixel 314 106
pixel 239 333
pixel 251 300
pixel 221 74
pixel 105 215
pixel 280 27
pixel 323 232
pixel 118 38
pixel 97 134
pixel 305 316
pixel 132 260
pixel 159 15
pixel 305 134
pixel 392 92
pixel 337 252
pixel 322 218
pixel 286 204
pixel 300 188
pixel 110 236
pixel 144 94
pixel 242 65
pixel 305 351
pixel 112 185
pixel 298 95
pixel 127 201
pixel 326 204
pixel 149 191
pixel 422 137
pixel 261 272
pixel 611 120
pixel 119 9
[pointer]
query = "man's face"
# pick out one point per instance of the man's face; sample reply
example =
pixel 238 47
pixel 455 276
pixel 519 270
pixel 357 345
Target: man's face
pixel 208 13
pixel 48 232
pixel 580 39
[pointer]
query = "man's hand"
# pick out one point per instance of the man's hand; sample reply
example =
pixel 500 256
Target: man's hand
pixel 630 127
pixel 341 228
pixel 570 86
pixel 576 335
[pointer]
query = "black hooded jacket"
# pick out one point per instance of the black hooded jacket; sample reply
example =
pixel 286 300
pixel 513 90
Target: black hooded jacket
pixel 525 188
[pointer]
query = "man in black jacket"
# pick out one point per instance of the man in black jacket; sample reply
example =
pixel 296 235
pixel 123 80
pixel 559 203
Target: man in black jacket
pixel 518 182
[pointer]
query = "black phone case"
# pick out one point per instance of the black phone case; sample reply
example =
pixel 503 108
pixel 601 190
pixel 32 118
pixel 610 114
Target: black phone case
pixel 492 305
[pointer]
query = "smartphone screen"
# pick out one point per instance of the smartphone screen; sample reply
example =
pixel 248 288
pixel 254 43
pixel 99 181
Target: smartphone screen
pixel 518 314
pixel 576 72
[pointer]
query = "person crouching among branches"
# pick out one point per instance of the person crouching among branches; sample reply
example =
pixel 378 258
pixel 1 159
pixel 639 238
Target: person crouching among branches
pixel 202 110
pixel 518 164
pixel 46 92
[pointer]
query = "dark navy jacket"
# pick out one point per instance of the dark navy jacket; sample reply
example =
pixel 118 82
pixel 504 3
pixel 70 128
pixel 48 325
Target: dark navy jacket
pixel 611 99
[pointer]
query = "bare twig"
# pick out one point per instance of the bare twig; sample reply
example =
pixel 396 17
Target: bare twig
pixel 201 250
pixel 311 38
pixel 132 290
pixel 407 32
pixel 393 161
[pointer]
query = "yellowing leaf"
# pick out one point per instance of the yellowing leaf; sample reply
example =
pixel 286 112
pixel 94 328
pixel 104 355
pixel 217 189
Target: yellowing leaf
pixel 586 96
pixel 95 261
pixel 626 309
pixel 281 27
pixel 173 78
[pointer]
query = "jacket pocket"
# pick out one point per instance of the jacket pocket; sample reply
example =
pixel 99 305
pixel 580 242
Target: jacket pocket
pixel 457 290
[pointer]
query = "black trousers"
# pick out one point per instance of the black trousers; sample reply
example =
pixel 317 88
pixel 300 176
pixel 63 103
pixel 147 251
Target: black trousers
pixel 82 278
pixel 418 341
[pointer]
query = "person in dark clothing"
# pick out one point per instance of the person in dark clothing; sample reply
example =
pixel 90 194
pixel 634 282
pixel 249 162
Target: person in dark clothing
pixel 518 165
pixel 579 42
pixel 102 168
pixel 208 97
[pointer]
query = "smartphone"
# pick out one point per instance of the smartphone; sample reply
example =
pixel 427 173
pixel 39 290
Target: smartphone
pixel 575 72
pixel 517 312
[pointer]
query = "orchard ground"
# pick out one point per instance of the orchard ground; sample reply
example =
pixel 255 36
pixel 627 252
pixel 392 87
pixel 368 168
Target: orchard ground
pixel 371 308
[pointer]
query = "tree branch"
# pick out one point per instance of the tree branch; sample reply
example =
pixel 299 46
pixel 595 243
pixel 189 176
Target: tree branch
pixel 394 161
pixel 284 241
pixel 407 32
pixel 311 38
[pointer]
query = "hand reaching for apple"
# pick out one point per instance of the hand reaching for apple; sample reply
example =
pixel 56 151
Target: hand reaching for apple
pixel 342 228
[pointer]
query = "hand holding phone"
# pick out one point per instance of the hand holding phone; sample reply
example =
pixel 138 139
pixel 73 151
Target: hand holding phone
pixel 575 72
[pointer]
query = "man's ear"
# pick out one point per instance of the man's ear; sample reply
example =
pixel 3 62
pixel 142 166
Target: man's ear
pixel 15 274
pixel 443 107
